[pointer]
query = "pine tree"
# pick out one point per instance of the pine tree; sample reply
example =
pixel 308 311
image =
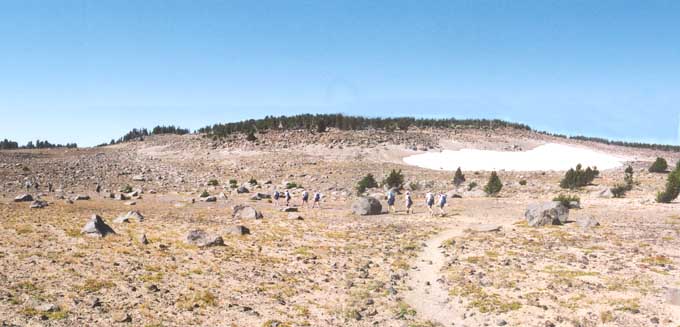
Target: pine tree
pixel 394 179
pixel 659 166
pixel 494 186
pixel 458 178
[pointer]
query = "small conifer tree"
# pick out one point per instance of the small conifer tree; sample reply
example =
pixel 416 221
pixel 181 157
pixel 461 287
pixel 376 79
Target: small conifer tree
pixel 494 186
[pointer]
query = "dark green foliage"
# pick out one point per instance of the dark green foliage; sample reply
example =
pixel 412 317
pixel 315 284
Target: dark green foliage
pixel 205 194
pixel 672 187
pixel 620 190
pixel 494 185
pixel 659 166
pixel 291 185
pixel 169 130
pixel 252 181
pixel 365 183
pixel 394 179
pixel 213 182
pixel 8 145
pixel 251 137
pixel 233 183
pixel 523 182
pixel 458 177
pixel 126 189
pixel 472 186
pixel 347 123
pixel 575 178
pixel 566 200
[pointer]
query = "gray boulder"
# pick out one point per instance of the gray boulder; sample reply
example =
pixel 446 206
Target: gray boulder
pixel 365 206
pixel 246 212
pixel 605 193
pixel 239 230
pixel 23 198
pixel 242 190
pixel 96 227
pixel 289 209
pixel 548 213
pixel 587 222
pixel 130 215
pixel 80 197
pixel 202 239
pixel 211 198
pixel 38 204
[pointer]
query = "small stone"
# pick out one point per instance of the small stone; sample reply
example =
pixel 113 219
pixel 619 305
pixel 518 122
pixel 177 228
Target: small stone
pixel 501 322
pixel 122 317
pixel 239 230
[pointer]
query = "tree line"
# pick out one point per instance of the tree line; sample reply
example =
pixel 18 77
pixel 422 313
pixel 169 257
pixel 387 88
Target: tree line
pixel 140 133
pixel 321 122
pixel 11 145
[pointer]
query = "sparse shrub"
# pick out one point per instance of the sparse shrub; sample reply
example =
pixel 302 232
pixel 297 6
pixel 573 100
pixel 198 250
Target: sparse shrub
pixel 252 181
pixel 251 137
pixel 523 182
pixel 619 190
pixel 458 177
pixel 472 186
pixel 205 194
pixel 575 178
pixel 672 187
pixel 413 186
pixel 659 166
pixel 365 183
pixel 291 185
pixel 566 200
pixel 494 185
pixel 126 189
pixel 213 182
pixel 394 179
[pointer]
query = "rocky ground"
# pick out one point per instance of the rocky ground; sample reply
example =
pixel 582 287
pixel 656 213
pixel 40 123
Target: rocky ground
pixel 323 267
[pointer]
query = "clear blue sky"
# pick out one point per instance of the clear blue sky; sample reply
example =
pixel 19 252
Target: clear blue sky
pixel 88 71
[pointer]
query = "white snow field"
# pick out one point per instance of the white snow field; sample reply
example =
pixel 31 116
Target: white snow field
pixel 551 156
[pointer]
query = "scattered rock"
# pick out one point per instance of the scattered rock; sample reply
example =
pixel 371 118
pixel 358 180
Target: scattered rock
pixel 202 239
pixel 239 230
pixel 38 204
pixel 242 190
pixel 96 227
pixel 23 198
pixel 289 209
pixel 365 206
pixel 143 239
pixel 294 216
pixel 138 178
pixel 80 197
pixel 121 317
pixel 211 198
pixel 548 213
pixel 587 222
pixel 246 212
pixel 605 193
pixel 47 307
pixel 130 215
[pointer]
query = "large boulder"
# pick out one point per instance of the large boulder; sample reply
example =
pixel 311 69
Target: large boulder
pixel 38 204
pixel 202 239
pixel 246 212
pixel 130 215
pixel 23 198
pixel 548 213
pixel 365 206
pixel 96 227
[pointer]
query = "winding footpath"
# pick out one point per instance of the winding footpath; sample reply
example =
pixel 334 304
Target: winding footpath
pixel 428 294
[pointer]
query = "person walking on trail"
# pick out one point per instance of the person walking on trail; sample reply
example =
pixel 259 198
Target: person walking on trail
pixel 317 200
pixel 442 203
pixel 305 198
pixel 429 200
pixel 277 196
pixel 287 196
pixel 391 197
pixel 409 202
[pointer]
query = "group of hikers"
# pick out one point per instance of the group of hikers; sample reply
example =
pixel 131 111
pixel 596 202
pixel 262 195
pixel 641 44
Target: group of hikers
pixel 408 201
pixel 305 198
pixel 391 200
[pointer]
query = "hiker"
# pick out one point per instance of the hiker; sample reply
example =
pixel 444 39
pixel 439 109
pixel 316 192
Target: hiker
pixel 442 203
pixel 391 197
pixel 429 200
pixel 317 200
pixel 277 195
pixel 287 196
pixel 305 198
pixel 409 202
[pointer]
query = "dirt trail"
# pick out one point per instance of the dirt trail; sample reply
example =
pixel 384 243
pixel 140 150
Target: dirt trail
pixel 428 294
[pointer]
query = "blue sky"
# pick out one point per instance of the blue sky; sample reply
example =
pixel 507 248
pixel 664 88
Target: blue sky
pixel 88 71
